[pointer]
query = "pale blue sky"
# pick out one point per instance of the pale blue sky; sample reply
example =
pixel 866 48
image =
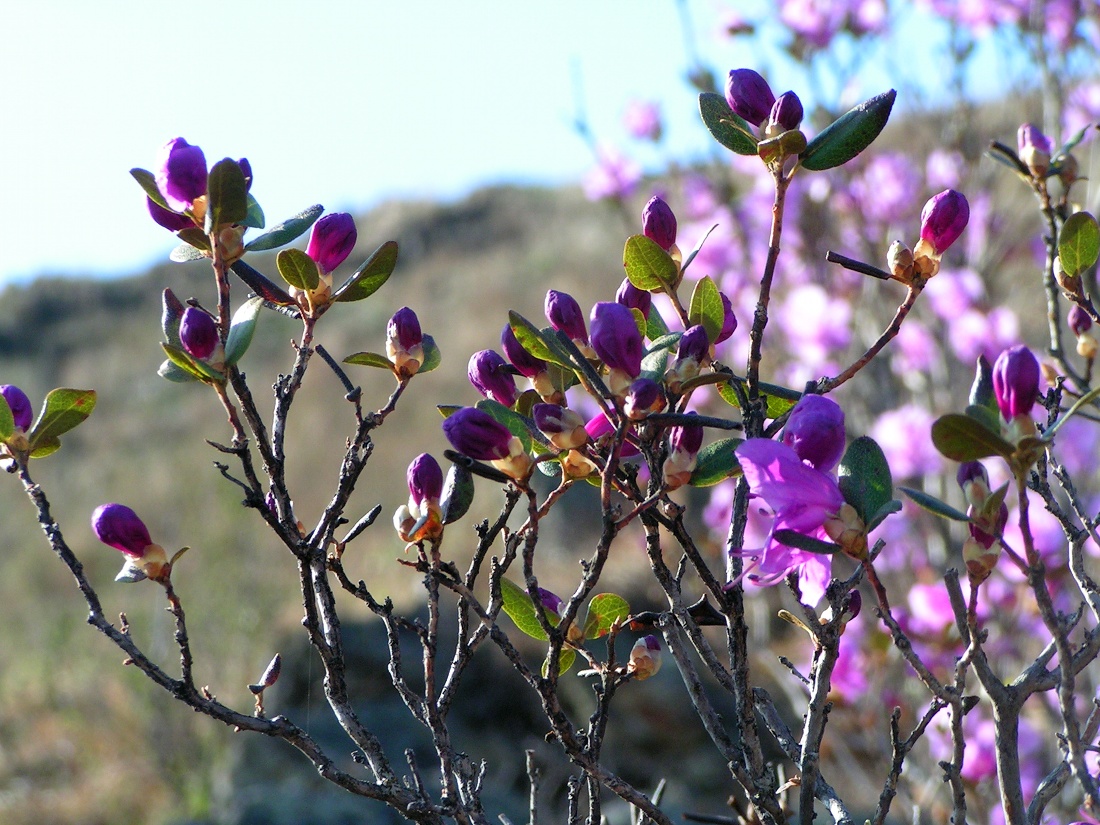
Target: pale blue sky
pixel 340 103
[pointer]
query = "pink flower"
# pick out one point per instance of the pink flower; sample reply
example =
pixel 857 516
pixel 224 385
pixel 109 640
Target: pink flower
pixel 803 499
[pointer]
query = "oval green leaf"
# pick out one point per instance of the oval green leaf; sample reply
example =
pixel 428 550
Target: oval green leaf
pixel 535 342
pixel 604 611
pixel 62 410
pixel 148 182
pixel 370 276
pixel 981 390
pixel 934 505
pixel 963 438
pixel 864 477
pixel 716 462
pixel 778 400
pixel 726 127
pixel 655 325
pixel 7 420
pixel 793 538
pixel 195 245
pixel 260 284
pixel 1079 243
pixel 849 134
pixel 172 309
pixel 241 329
pixel 297 269
pixel 287 231
pixel 432 355
pixel 192 366
pixel 458 493
pixel 370 359
pixel 647 265
pixel 521 610
pixel 226 195
pixel 170 372
pixel 254 218
pixel 706 308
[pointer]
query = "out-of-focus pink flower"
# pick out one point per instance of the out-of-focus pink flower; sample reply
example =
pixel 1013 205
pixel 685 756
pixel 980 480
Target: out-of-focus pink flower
pixel 885 189
pixel 614 176
pixel 915 349
pixel 944 168
pixel 973 333
pixel 953 291
pixel 642 120
pixel 905 435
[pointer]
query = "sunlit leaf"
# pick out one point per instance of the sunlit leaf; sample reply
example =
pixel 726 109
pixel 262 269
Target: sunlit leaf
pixel 62 410
pixel 254 219
pixel 706 308
pixel 370 276
pixel 226 194
pixel 728 128
pixel 604 611
pixel 648 266
pixel 934 505
pixel 432 356
pixel 521 610
pixel 849 134
pixel 7 420
pixel 241 329
pixel 1079 243
pixel 190 365
pixel 964 438
pixel 370 359
pixel 864 477
pixel 297 269
pixel 716 462
pixel 285 232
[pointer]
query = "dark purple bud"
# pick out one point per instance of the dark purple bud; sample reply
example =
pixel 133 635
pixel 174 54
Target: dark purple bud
pixel 659 223
pixel 1034 149
pixel 489 374
pixel 477 434
pixel 172 221
pixel 564 314
pixel 1016 382
pixel 644 396
pixel 425 479
pixel 521 359
pixel 786 112
pixel 198 333
pixel 1079 320
pixel 686 440
pixel 943 219
pixel 246 169
pixel 749 95
pixel 694 345
pixel 616 339
pixel 633 298
pixel 403 329
pixel 815 431
pixel 729 321
pixel 117 526
pixel 855 604
pixel 551 602
pixel 331 240
pixel 270 503
pixel 564 427
pixel 19 404
pixel 971 471
pixel 181 174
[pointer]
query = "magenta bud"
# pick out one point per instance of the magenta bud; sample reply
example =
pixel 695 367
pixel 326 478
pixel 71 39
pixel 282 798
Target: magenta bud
pixel 694 345
pixel 477 434
pixel 564 314
pixel 645 396
pixel 1079 320
pixel 490 375
pixel 988 537
pixel 633 298
pixel 172 221
pixel 425 479
pixel 19 404
pixel 527 364
pixel 403 329
pixel 551 602
pixel 1016 382
pixel 198 333
pixel 786 112
pixel 943 219
pixel 331 240
pixel 601 426
pixel 729 320
pixel 117 526
pixel 749 95
pixel 659 223
pixel 685 440
pixel 815 431
pixel 616 339
pixel 181 174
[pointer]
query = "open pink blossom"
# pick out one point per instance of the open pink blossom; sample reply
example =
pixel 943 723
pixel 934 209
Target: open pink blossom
pixel 803 499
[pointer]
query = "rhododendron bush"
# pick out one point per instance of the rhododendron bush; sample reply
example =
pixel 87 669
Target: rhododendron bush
pixel 804 394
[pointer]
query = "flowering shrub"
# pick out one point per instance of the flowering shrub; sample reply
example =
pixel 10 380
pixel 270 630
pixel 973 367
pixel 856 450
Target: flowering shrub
pixel 974 665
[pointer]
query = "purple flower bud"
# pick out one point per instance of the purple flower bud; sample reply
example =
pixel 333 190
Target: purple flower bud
pixel 645 657
pixel 855 604
pixel 616 339
pixel 1079 320
pixel 551 602
pixel 564 427
pixel 686 440
pixel 815 431
pixel 331 240
pixel 425 479
pixel 172 221
pixel 198 333
pixel 749 95
pixel 694 345
pixel 986 534
pixel 971 471
pixel 729 320
pixel 683 452
pixel 181 174
pixel 943 219
pixel 117 526
pixel 477 434
pixel 786 112
pixel 644 396
pixel 659 223
pixel 246 170
pixel 19 404
pixel 1034 149
pixel 1016 382
pixel 632 297
pixel 564 314
pixel 489 374
pixel 601 426
pixel 404 329
pixel 270 503
pixel 527 364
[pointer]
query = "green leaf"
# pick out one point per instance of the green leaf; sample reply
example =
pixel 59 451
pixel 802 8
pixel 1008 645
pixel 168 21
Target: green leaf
pixel 370 359
pixel 849 134
pixel 458 493
pixel 655 325
pixel 706 308
pixel 537 343
pixel 603 612
pixel 727 128
pixel 519 426
pixel 654 365
pixel 241 329
pixel 194 245
pixel 981 391
pixel 990 418
pixel 1008 157
pixel 260 284
pixel 1079 243
pixel 7 420
pixel 864 477
pixel 226 195
pixel 172 310
pixel 298 269
pixel 447 410
pixel 1069 145
pixel 964 438
pixel 45 447
pixel 62 410
pixel 432 355
pixel 254 218
pixel 148 182
pixel 521 610
pixel 565 661
pixel 695 251
pixel 647 265
pixel 170 372
pixel 370 276
pixel 201 371
pixel 879 516
pixel 640 321
pixel 716 462
pixel 792 538
pixel 934 505
pixel 287 231
pixel 778 399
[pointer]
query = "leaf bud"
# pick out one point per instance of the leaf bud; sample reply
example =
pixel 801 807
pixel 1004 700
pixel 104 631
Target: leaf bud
pixel 659 223
pixel 490 375
pixel 1071 285
pixel 749 95
pixel 331 241
pixel 899 260
pixel 270 675
pixel 1034 150
pixel 943 219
